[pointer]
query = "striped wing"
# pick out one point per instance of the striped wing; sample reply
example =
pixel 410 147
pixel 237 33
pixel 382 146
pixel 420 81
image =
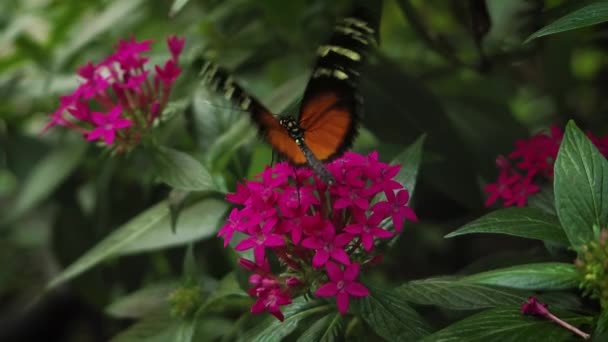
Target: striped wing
pixel 331 107
pixel 219 80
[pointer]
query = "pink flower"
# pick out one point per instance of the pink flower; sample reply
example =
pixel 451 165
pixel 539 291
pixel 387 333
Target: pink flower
pixel 260 239
pixel 536 308
pixel 120 85
pixel 328 245
pixel 368 228
pixel 175 45
pixel 168 73
pixel 107 125
pixel 521 191
pixel 270 300
pixel 397 207
pixel 342 285
pixel 502 188
pixel 308 224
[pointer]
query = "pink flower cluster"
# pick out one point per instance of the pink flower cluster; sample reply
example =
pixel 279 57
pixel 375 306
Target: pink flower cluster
pixel 320 234
pixel 116 101
pixel 530 165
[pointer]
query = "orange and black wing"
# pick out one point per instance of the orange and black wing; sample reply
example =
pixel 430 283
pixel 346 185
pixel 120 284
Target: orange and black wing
pixel 218 79
pixel 331 107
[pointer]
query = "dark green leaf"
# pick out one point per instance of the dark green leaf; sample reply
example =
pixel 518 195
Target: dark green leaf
pixel 158 327
pixel 581 187
pixel 142 302
pixel 543 200
pixel 190 268
pixel 46 176
pixel 150 229
pixel 390 315
pixel 228 287
pixel 180 171
pixel 591 14
pixel 409 160
pixel 541 276
pixel 602 323
pixel 296 313
pixel 507 324
pixel 457 295
pixel 523 222
pixel 224 147
pixel 329 328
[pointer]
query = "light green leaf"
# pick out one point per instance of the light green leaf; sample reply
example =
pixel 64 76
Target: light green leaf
pixel 541 276
pixel 142 302
pixel 46 176
pixel 581 187
pixel 507 324
pixel 180 171
pixel 410 160
pixel 157 327
pixel 591 14
pixel 197 221
pixel 177 6
pixel 329 328
pixel 96 24
pixel 457 295
pixel 390 316
pixel 150 230
pixel 529 223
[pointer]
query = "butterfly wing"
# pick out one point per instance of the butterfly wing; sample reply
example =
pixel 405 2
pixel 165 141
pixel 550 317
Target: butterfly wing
pixel 219 80
pixel 331 107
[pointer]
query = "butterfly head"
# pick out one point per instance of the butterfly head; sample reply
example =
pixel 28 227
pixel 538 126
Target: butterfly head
pixel 293 129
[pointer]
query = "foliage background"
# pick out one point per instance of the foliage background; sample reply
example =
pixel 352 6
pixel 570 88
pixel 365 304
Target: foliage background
pixel 471 91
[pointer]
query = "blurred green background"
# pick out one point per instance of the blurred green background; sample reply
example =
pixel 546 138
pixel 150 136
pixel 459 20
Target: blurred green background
pixel 457 71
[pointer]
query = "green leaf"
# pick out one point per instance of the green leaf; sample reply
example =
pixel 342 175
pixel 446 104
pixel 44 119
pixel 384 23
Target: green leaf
pixel 299 312
pixel 149 299
pixel 581 187
pixel 149 230
pixel 507 324
pixel 457 295
pixel 541 276
pixel 190 268
pixel 46 176
pixel 591 14
pixel 180 171
pixel 228 287
pixel 224 147
pixel 601 328
pixel 543 200
pixel 409 160
pixel 157 327
pixel 177 6
pixel 529 223
pixel 198 221
pixel 328 328
pixel 390 316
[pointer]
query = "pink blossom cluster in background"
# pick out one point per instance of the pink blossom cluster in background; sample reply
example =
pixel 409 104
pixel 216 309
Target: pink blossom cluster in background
pixel 116 100
pixel 322 236
pixel 529 165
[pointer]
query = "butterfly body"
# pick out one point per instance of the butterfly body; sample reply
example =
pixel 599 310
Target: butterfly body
pixel 331 107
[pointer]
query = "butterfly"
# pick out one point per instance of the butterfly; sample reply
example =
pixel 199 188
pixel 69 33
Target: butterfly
pixel 331 107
